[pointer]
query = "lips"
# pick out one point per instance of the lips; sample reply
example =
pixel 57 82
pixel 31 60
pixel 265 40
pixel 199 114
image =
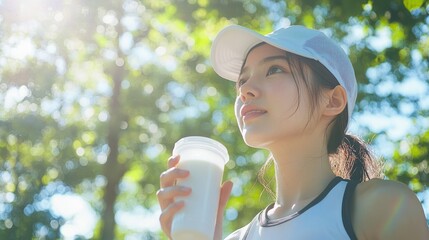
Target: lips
pixel 248 112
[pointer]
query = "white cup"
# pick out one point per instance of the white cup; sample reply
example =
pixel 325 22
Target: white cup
pixel 205 159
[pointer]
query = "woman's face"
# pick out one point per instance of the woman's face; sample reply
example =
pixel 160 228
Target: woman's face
pixel 271 105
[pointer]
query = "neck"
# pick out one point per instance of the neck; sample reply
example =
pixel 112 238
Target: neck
pixel 301 175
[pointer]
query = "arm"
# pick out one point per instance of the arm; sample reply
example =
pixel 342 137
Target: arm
pixel 388 210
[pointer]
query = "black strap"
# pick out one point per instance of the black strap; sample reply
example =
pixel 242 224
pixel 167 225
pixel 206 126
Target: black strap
pixel 346 212
pixel 347 209
pixel 266 222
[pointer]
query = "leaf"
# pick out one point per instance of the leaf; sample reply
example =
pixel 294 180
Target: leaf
pixel 413 4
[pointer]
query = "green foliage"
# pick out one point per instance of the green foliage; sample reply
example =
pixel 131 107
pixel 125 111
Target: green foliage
pixel 410 162
pixel 413 4
pixel 95 93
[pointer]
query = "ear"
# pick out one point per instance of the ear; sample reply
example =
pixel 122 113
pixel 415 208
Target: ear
pixel 336 102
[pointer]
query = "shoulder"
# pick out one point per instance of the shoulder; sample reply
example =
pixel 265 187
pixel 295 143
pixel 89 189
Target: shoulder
pixel 379 189
pixel 386 209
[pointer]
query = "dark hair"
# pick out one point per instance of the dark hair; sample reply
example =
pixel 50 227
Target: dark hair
pixel 349 156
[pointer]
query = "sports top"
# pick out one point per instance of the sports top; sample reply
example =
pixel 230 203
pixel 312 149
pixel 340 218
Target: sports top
pixel 326 217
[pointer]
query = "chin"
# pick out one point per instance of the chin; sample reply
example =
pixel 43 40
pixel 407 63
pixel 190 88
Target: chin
pixel 256 140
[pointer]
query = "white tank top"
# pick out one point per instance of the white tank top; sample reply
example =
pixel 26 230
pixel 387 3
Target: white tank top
pixel 326 217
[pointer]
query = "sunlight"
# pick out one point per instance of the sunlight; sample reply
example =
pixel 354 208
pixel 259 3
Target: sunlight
pixel 381 40
pixel 80 218
pixel 14 96
pixel 139 219
pixel 31 11
pixel 19 48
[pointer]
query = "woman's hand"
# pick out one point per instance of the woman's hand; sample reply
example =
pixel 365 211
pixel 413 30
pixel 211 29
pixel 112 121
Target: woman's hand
pixel 168 191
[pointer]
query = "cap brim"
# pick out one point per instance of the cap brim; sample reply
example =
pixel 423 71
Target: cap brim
pixel 232 44
pixel 230 48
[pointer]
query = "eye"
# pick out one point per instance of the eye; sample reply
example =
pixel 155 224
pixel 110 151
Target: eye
pixel 240 82
pixel 273 70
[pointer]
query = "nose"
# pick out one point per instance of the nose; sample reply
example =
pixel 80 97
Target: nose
pixel 247 91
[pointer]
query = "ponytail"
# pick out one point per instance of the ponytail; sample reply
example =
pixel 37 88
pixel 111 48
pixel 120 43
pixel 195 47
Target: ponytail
pixel 354 160
pixel 350 156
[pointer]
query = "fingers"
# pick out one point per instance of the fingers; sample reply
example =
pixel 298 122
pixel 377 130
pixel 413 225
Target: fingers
pixel 166 217
pixel 166 195
pixel 169 177
pixel 172 161
pixel 169 191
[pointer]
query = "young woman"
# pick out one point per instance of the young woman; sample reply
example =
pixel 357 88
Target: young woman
pixel 296 90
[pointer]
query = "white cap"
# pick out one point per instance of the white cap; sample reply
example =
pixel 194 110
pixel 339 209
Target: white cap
pixel 233 43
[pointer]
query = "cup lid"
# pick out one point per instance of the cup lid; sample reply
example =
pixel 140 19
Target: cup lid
pixel 202 142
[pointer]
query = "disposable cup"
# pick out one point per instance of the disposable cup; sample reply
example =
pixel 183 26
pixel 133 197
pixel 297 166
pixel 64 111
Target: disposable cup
pixel 205 159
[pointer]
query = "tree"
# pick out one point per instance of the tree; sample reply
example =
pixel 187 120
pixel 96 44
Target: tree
pixel 95 93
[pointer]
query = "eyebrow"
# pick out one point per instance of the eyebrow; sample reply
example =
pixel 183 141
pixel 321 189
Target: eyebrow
pixel 265 60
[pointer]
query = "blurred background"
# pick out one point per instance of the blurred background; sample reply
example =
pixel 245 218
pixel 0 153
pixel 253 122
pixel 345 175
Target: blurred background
pixel 95 93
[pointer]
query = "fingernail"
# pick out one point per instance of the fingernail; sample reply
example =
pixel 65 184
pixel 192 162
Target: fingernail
pixel 183 171
pixel 180 203
pixel 185 189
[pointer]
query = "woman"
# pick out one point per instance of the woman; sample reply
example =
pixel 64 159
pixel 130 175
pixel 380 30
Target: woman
pixel 296 90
